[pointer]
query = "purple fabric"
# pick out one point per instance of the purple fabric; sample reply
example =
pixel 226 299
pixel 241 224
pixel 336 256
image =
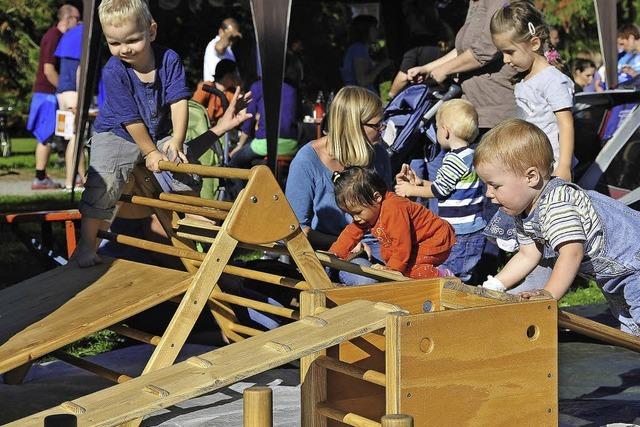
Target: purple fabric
pixel 288 127
pixel 128 100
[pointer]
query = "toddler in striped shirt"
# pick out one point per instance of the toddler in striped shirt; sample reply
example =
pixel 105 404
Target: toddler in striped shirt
pixel 583 232
pixel 456 186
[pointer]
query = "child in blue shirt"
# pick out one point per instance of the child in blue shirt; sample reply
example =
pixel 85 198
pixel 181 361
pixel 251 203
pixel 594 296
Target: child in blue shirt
pixel 456 186
pixel 146 100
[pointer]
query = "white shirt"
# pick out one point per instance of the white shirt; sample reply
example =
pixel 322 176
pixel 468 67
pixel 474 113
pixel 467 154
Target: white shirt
pixel 211 58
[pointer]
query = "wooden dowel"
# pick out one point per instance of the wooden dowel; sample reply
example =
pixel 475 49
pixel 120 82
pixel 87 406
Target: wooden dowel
pixel 178 207
pixel 348 418
pixel 257 407
pixel 196 201
pixel 107 373
pixel 368 375
pixel 597 330
pixel 135 334
pixel 205 171
pixel 241 329
pixel 397 420
pixel 257 305
pixel 197 256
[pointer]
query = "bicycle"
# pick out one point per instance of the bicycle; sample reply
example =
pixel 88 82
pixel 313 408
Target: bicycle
pixel 5 139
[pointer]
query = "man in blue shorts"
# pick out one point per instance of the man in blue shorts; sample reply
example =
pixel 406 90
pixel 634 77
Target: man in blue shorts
pixel 42 114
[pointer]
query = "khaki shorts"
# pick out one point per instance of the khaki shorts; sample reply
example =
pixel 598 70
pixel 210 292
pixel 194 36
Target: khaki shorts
pixel 112 161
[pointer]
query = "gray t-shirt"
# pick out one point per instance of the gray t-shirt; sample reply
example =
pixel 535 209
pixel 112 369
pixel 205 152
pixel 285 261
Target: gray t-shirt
pixel 538 98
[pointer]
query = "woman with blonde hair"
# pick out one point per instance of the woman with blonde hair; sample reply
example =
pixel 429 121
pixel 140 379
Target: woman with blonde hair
pixel 355 125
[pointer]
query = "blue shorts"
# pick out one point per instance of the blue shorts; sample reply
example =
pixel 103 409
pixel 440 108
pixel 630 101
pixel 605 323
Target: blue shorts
pixel 42 116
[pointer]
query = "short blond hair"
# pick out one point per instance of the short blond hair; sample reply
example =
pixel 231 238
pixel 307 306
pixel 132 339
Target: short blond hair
pixel 518 145
pixel 460 117
pixel 115 12
pixel 351 108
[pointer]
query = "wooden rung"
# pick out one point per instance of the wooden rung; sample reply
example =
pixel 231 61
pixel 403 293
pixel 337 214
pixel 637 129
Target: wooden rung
pixel 135 334
pixel 314 321
pixel 257 305
pixel 597 330
pixel 177 207
pixel 348 418
pixel 205 171
pixel 155 390
pixel 101 371
pixel 368 375
pixel 241 329
pixel 197 256
pixel 196 201
pixel 279 347
pixel 198 223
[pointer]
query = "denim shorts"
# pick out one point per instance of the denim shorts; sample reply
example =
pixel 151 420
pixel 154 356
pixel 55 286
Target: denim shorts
pixel 465 254
pixel 112 161
pixel 624 301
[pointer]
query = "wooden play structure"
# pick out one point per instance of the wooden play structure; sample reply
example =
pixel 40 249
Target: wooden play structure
pixel 457 354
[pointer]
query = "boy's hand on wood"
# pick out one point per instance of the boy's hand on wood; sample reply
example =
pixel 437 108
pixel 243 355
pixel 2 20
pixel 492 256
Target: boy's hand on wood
pixel 172 149
pixel 536 294
pixel 152 159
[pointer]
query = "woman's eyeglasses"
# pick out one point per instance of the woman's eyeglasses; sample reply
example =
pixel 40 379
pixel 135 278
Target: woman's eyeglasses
pixel 378 127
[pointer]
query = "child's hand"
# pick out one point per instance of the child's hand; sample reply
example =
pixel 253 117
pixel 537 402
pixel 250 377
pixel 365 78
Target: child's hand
pixel 402 176
pixel 358 249
pixel 494 284
pixel 152 159
pixel 404 189
pixel 413 178
pixel 563 172
pixel 385 268
pixel 536 294
pixel 173 150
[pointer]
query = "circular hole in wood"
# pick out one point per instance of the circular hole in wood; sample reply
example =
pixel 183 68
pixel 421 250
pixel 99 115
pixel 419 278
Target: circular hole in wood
pixel 533 332
pixel 426 345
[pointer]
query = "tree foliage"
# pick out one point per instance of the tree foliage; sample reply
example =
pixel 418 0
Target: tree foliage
pixel 22 24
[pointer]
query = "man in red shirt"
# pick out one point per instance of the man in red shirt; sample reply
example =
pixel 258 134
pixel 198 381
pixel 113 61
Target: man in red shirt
pixel 42 114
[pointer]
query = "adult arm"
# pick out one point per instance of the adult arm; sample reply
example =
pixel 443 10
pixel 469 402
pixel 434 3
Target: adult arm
pixel 51 74
pixel 418 73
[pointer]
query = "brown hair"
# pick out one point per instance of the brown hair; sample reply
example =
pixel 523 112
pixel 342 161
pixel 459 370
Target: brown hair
pixel 356 186
pixel 627 30
pixel 518 145
pixel 526 22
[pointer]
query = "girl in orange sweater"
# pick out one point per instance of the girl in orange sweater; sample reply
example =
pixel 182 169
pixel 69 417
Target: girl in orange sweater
pixel 413 240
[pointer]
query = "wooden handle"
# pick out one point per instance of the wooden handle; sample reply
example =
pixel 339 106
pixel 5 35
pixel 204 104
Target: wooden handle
pixel 205 171
pixel 257 407
pixel 597 330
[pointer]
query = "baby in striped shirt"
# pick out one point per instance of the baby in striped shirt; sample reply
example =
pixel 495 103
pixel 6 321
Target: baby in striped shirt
pixel 584 232
pixel 456 185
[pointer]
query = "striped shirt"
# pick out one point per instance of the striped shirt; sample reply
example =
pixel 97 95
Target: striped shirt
pixel 565 214
pixel 459 193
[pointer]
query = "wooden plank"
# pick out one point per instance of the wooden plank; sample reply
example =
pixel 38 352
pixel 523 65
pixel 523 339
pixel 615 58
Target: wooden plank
pixel 492 365
pixel 166 387
pixel 392 365
pixel 305 258
pixel 412 296
pixel 597 330
pixel 456 294
pixel 58 307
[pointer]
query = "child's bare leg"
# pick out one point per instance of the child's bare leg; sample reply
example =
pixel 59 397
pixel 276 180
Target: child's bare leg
pixel 85 254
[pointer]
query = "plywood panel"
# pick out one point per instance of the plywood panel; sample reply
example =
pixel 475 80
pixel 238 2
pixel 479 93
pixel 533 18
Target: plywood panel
pixel 63 305
pixel 479 366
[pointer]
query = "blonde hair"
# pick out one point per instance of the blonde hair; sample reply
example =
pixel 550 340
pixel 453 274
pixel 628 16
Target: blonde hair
pixel 518 145
pixel 460 117
pixel 115 12
pixel 352 107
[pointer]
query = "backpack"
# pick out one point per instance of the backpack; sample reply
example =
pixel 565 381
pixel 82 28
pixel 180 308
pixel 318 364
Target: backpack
pixel 410 121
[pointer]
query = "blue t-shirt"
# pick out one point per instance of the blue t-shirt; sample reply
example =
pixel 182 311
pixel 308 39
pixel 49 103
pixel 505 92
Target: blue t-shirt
pixel 310 191
pixel 69 51
pixel 632 59
pixel 128 100
pixel 355 51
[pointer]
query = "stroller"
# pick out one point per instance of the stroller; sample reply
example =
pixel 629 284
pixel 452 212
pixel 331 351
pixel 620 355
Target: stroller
pixel 607 126
pixel 410 130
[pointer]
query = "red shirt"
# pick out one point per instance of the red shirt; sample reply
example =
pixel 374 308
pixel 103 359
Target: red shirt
pixel 48 46
pixel 409 235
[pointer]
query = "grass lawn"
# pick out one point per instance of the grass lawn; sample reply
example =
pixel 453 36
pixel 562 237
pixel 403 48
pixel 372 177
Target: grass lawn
pixel 22 157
